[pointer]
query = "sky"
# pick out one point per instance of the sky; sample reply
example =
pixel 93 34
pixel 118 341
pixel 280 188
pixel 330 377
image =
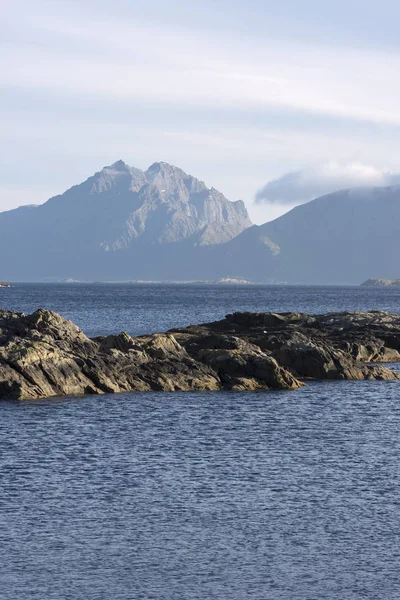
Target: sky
pixel 237 93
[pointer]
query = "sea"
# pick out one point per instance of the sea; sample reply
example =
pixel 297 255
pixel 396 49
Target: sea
pixel 207 495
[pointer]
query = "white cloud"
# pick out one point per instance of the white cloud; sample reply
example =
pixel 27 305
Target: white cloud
pixel 136 60
pixel 302 186
pixel 272 102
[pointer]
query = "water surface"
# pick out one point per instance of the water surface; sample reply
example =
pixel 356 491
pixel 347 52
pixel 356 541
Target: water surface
pixel 196 496
pixel 110 308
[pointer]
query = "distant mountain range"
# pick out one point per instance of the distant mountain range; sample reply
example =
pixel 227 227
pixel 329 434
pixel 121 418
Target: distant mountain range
pixel 162 224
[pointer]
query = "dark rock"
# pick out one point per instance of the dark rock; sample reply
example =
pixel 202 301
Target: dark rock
pixel 44 355
pixel 331 346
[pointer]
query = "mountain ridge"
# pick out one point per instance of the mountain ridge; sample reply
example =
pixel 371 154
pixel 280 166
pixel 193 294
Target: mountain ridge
pixel 162 224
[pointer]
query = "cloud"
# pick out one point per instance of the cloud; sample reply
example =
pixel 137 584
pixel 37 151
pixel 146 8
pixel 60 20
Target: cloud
pixel 302 186
pixel 139 60
pixel 84 83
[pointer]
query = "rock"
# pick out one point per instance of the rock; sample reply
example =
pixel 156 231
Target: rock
pixel 381 283
pixel 44 355
pixel 257 369
pixel 331 346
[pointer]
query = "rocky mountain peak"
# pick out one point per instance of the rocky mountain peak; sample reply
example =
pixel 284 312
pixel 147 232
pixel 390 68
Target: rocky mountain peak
pixel 162 174
pixel 118 174
pixel 164 168
pixel 173 182
pixel 169 206
pixel 119 165
pixel 117 169
pixel 108 177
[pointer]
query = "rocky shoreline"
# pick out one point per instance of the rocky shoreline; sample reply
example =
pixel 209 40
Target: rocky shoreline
pixel 44 355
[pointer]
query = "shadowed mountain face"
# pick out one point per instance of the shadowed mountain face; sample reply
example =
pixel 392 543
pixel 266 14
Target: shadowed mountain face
pixel 120 223
pixel 344 237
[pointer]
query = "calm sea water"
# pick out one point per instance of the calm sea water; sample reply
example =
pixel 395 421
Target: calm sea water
pixel 196 496
pixel 139 309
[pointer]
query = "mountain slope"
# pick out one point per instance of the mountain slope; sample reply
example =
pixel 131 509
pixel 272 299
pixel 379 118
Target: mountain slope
pixel 119 223
pixel 344 237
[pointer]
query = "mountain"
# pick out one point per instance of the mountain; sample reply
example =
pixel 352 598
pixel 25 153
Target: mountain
pixel 121 223
pixel 343 237
pixel 162 224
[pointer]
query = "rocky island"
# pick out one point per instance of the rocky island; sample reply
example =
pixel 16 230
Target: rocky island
pixel 5 284
pixel 381 283
pixel 44 355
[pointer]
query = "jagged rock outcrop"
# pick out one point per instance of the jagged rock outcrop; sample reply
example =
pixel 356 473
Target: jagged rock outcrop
pixel 43 355
pixel 331 346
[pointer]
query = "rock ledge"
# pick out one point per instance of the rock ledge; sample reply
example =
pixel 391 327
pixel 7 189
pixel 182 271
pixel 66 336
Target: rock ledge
pixel 44 355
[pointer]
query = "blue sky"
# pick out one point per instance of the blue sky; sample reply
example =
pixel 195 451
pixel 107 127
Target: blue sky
pixel 236 93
